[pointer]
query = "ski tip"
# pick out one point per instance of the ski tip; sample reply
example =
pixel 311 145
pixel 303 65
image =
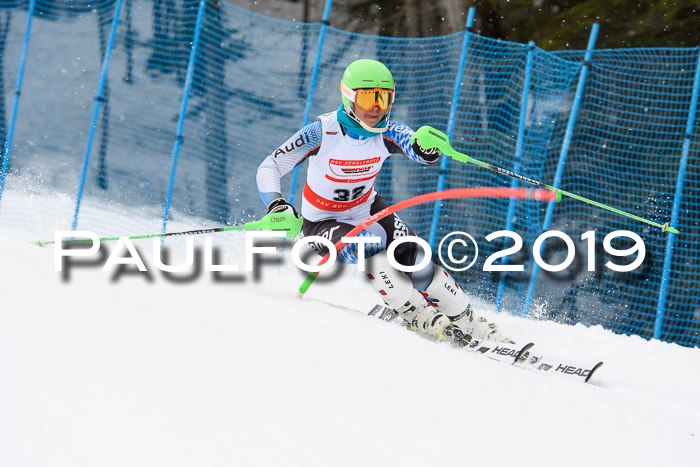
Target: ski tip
pixel 300 294
pixel 593 370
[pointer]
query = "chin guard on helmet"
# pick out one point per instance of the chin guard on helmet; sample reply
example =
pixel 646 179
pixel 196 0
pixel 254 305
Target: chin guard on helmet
pixel 351 113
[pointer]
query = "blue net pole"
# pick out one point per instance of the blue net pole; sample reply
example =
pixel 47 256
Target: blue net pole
pixel 518 160
pixel 15 105
pixel 661 309
pixel 183 110
pixel 566 143
pixel 451 122
pixel 312 86
pixel 96 112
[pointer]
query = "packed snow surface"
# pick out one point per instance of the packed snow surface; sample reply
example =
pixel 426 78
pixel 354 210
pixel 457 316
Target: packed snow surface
pixel 126 368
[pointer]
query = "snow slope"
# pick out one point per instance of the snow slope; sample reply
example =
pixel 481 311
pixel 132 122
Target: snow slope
pixel 136 369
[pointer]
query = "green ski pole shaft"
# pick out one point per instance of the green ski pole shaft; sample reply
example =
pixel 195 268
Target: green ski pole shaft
pixel 137 237
pixel 464 158
pixel 282 222
pixel 430 137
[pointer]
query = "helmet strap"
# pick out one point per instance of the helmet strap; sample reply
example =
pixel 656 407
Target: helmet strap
pixel 351 113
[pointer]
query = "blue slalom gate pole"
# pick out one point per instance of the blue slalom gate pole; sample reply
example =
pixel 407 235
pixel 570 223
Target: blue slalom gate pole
pixel 518 163
pixel 183 110
pixel 99 98
pixel 312 85
pixel 451 123
pixel 15 105
pixel 566 143
pixel 663 292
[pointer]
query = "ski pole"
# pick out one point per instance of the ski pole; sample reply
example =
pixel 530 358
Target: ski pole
pixel 284 222
pixel 431 138
pixel 474 192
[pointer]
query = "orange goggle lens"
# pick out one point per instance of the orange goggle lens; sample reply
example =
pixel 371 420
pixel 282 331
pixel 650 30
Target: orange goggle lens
pixel 368 98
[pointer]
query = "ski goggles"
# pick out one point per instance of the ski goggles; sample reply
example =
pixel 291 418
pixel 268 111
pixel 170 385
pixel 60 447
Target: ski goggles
pixel 368 98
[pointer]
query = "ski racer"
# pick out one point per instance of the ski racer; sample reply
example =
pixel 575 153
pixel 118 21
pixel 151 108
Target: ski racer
pixel 346 149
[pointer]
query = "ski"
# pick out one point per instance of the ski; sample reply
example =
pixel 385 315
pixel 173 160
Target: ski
pixel 510 353
pixel 561 367
pixel 385 313
pixel 528 359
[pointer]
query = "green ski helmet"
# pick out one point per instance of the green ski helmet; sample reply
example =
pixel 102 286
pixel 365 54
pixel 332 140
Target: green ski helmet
pixel 365 74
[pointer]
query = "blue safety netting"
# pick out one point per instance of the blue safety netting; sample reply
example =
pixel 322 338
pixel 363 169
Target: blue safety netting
pixel 248 82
